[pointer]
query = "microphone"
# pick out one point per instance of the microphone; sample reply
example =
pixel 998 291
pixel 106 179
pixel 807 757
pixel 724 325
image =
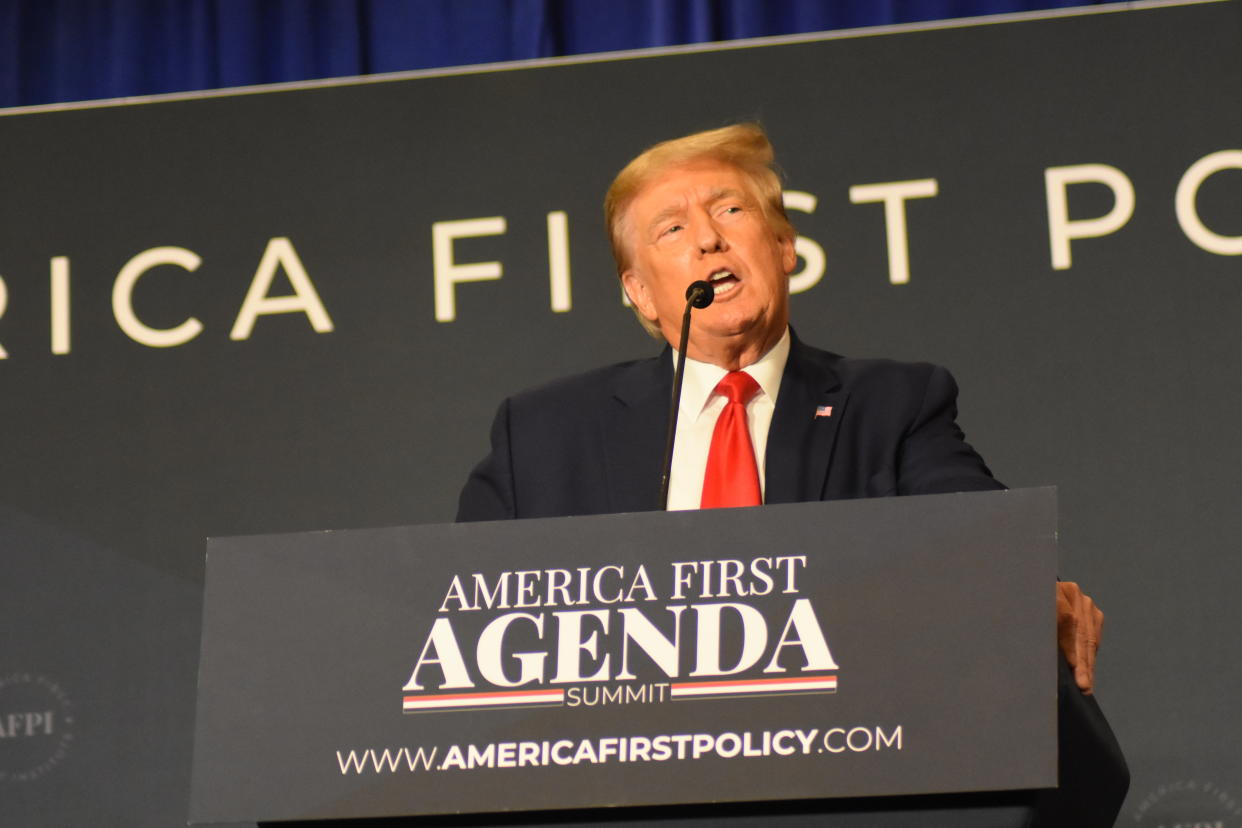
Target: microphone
pixel 700 294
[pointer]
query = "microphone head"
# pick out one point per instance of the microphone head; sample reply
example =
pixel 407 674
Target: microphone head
pixel 700 294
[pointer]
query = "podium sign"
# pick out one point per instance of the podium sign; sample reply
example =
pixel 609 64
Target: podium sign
pixel 855 648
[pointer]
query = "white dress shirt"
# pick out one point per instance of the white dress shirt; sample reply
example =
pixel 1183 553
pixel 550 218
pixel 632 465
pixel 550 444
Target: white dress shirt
pixel 696 420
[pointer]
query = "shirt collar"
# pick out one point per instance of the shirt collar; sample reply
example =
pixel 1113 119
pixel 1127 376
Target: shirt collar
pixel 701 378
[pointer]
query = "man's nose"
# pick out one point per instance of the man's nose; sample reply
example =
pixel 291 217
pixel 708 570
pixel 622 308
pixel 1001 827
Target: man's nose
pixel 710 239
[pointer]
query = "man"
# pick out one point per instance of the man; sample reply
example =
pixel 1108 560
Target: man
pixel 708 206
pixel 764 418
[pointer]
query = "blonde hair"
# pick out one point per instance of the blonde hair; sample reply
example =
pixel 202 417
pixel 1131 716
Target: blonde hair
pixel 744 146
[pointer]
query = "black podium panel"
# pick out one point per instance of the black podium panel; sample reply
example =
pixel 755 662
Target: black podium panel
pixel 878 648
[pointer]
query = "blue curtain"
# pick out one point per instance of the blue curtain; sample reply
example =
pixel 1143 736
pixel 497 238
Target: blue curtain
pixel 68 50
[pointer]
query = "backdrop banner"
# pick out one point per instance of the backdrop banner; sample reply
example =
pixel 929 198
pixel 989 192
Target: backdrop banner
pixel 274 311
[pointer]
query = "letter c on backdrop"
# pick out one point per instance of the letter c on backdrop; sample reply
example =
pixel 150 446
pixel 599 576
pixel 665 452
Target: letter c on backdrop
pixel 123 294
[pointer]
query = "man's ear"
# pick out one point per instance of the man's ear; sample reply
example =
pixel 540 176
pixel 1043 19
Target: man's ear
pixel 636 289
pixel 789 257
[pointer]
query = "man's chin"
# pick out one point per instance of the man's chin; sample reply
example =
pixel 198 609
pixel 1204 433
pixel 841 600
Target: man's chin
pixel 736 337
pixel 740 328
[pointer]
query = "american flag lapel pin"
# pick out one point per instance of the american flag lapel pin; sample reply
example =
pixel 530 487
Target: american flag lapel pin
pixel 823 411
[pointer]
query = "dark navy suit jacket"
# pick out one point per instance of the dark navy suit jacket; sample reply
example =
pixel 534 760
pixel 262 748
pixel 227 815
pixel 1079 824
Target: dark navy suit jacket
pixel 594 443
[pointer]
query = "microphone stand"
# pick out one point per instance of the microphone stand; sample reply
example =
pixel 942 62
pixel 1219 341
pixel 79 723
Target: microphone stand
pixel 699 295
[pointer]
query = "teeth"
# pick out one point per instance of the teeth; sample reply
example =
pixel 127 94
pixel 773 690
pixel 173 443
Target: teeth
pixel 724 288
pixel 724 274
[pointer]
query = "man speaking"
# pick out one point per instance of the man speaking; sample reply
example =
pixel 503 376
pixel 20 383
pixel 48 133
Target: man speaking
pixel 763 417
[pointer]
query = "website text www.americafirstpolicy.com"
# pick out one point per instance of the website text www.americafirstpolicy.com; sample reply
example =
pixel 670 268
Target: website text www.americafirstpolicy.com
pixel 597 751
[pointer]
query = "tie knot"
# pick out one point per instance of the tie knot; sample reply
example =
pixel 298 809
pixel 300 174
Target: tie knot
pixel 738 387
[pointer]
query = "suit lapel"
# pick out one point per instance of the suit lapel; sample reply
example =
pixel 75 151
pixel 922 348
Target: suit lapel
pixel 634 432
pixel 809 408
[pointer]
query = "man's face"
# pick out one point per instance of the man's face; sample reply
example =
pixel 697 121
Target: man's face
pixel 704 221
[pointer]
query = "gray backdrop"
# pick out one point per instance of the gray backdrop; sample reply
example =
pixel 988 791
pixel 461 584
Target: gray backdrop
pixel 1115 378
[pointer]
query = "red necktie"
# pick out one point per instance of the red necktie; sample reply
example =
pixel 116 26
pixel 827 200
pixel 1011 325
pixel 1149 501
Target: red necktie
pixel 732 477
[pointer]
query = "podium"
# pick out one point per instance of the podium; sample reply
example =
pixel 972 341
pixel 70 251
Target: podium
pixel 866 662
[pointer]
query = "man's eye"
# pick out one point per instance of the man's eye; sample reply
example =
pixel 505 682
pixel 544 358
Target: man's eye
pixel 671 230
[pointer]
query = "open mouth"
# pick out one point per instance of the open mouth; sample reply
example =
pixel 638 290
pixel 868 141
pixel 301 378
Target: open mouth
pixel 723 281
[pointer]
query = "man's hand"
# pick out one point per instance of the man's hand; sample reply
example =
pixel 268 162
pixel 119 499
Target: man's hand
pixel 1079 623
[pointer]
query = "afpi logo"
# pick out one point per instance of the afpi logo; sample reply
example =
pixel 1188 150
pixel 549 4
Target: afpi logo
pixel 36 726
pixel 1189 803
